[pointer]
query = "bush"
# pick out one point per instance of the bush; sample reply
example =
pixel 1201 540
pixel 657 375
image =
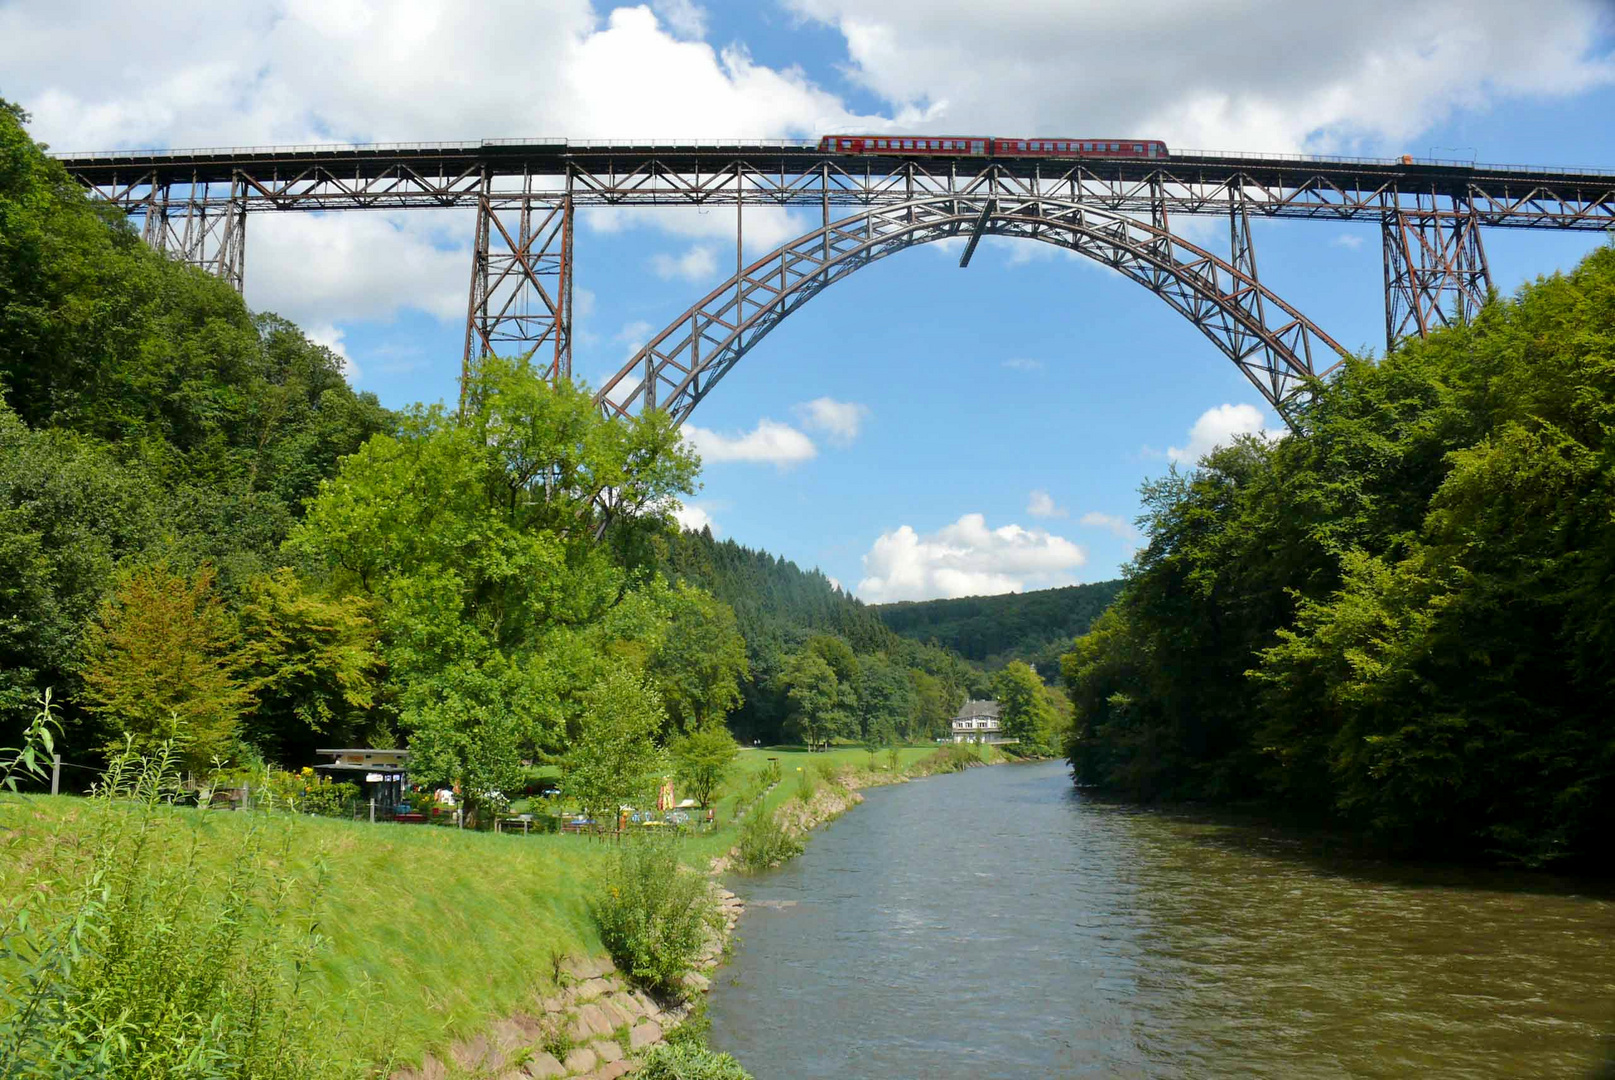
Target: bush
pixel 690 1061
pixel 764 842
pixel 124 958
pixel 652 913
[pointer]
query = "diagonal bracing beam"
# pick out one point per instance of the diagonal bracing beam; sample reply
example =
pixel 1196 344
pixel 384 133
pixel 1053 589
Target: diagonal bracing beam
pixel 987 211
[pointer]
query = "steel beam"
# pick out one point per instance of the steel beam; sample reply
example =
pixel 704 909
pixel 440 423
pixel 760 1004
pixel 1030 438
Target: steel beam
pixel 988 209
pixel 190 224
pixel 1436 273
pixel 1278 348
pixel 521 281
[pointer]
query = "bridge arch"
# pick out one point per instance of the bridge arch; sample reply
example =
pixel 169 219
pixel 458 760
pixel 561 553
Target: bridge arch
pixel 1281 351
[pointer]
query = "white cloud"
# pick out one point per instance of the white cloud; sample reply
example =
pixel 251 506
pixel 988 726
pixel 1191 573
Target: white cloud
pixel 1021 363
pixel 834 583
pixel 1304 78
pixel 1041 504
pixel 1121 527
pixel 331 337
pixel 770 442
pixel 684 18
pixel 839 420
pixel 1219 427
pixel 697 264
pixel 695 517
pixel 1348 240
pixel 966 559
pixel 634 335
pixel 328 268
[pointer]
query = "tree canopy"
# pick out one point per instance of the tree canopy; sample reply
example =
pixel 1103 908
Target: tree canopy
pixel 1403 618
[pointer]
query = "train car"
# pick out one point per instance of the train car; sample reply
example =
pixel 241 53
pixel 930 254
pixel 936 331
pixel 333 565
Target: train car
pixel 988 146
pixel 905 145
pixel 1129 148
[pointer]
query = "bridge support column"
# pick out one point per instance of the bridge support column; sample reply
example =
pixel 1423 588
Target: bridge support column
pixel 198 231
pixel 1435 266
pixel 521 279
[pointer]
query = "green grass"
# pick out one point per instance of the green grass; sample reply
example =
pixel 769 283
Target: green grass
pixel 434 932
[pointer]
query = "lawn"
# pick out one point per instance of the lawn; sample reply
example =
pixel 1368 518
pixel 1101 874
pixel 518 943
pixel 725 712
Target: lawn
pixel 434 932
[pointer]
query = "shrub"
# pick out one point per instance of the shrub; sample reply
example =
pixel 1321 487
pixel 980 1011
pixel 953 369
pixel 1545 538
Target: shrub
pixel 764 841
pixel 690 1061
pixel 652 913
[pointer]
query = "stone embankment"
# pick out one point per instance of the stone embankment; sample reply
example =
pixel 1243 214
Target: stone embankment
pixel 591 1026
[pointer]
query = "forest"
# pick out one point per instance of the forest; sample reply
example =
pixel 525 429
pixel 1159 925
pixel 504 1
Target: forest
pixel 1400 620
pixel 209 540
pixel 1033 627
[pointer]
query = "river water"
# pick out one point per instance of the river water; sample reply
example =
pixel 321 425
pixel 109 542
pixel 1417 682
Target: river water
pixel 998 923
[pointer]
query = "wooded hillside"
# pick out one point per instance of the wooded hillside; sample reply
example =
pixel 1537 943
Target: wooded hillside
pixel 1033 627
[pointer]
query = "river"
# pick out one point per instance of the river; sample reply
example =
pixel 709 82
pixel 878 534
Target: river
pixel 998 923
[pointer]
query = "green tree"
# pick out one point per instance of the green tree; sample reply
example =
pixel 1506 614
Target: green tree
pixel 615 759
pixel 480 536
pixel 814 692
pixel 313 663
pixel 701 660
pixel 885 700
pixel 162 664
pixel 1024 711
pixel 704 758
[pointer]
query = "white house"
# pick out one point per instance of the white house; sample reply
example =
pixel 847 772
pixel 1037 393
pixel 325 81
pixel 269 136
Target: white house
pixel 977 722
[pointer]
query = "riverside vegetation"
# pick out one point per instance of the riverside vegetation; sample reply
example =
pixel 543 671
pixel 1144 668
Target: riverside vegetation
pixel 1402 620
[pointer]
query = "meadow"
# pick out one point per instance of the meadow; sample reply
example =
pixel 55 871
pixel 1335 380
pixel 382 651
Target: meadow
pixel 430 932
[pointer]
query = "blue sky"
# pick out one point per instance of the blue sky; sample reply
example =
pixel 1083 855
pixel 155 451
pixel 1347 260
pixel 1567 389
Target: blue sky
pixel 975 430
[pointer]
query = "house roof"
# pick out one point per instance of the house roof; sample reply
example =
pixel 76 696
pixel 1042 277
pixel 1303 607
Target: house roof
pixel 978 708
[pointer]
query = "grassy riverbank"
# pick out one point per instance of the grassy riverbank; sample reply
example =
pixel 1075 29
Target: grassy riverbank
pixel 431 933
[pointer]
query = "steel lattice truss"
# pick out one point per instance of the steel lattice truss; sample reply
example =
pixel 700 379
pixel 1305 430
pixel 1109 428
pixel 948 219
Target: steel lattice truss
pixel 194 204
pixel 1273 344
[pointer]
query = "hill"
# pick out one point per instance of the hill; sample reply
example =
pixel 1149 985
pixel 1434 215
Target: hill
pixel 781 609
pixel 1036 627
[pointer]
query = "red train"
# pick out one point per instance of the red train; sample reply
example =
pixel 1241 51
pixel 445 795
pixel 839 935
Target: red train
pixel 987 146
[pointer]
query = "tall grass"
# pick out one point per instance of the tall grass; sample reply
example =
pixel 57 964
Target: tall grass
pixel 126 959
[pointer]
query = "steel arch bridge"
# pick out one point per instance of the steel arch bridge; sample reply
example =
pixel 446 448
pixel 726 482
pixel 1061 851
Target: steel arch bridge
pixel 1277 347
pixel 193 205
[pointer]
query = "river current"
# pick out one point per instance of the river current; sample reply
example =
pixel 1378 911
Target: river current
pixel 998 923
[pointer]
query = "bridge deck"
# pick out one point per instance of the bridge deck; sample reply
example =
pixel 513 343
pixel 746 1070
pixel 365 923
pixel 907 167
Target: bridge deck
pixel 386 176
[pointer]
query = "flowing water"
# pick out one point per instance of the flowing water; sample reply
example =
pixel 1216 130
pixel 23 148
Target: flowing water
pixel 999 924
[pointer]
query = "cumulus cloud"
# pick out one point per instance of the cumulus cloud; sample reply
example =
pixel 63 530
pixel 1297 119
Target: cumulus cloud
pixel 1219 427
pixel 966 558
pixel 1041 504
pixel 1021 363
pixel 1305 80
pixel 839 420
pixel 633 336
pixel 328 268
pixel 696 264
pixel 1348 240
pixel 1120 526
pixel 770 443
pixel 695 517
